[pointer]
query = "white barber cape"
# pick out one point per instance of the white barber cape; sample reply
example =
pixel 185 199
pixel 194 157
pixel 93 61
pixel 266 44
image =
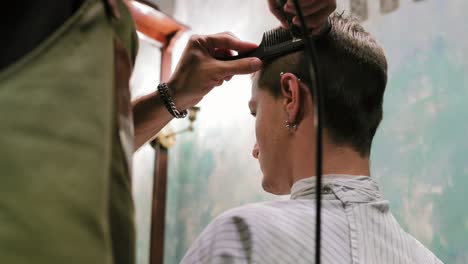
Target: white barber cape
pixel 357 227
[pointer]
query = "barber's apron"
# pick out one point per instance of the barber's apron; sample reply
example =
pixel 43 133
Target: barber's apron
pixel 66 142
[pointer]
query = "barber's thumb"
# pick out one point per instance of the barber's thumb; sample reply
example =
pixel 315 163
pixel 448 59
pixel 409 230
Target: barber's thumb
pixel 242 66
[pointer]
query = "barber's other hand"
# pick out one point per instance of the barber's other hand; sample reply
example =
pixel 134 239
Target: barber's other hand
pixel 198 71
pixel 315 12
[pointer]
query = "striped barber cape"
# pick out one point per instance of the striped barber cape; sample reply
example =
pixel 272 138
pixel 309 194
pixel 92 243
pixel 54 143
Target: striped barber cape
pixel 357 227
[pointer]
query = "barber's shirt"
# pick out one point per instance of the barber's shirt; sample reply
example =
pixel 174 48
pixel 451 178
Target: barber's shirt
pixel 357 227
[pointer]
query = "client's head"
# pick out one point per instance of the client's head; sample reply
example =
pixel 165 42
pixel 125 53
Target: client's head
pixel 353 73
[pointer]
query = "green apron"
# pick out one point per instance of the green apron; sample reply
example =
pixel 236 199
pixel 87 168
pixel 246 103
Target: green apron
pixel 66 143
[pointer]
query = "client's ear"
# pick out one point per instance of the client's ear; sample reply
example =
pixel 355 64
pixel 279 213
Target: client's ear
pixel 292 96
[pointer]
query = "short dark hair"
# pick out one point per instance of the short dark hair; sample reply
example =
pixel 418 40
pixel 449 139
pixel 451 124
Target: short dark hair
pixel 353 72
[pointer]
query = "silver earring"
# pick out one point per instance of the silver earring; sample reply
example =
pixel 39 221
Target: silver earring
pixel 282 73
pixel 291 126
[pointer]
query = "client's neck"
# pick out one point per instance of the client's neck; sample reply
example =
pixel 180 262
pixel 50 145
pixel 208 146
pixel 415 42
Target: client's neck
pixel 335 160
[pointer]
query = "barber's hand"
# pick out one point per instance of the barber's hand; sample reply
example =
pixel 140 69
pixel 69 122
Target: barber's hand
pixel 315 12
pixel 198 72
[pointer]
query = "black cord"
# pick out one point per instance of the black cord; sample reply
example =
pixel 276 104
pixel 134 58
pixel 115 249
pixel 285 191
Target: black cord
pixel 316 93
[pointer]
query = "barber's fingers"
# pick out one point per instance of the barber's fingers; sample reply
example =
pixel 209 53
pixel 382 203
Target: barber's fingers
pixel 278 12
pixel 308 8
pixel 241 66
pixel 223 53
pixel 227 40
pixel 315 12
pixel 315 20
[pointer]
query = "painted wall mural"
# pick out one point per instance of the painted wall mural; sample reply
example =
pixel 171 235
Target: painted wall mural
pixel 420 151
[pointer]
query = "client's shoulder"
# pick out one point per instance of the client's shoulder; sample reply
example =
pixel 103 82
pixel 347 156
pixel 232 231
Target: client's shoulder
pixel 258 213
pixel 259 208
pixel 232 232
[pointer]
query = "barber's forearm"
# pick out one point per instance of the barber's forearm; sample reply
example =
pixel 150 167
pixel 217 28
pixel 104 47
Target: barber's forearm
pixel 195 75
pixel 149 117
